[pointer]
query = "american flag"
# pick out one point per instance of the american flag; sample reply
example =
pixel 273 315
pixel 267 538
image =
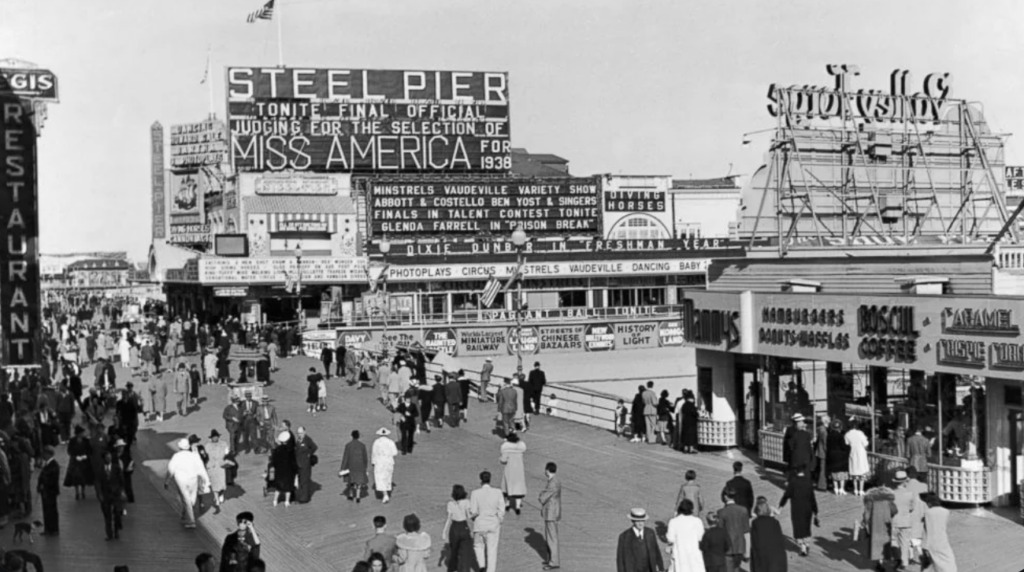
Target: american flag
pixel 264 13
pixel 490 291
pixel 516 276
pixel 381 277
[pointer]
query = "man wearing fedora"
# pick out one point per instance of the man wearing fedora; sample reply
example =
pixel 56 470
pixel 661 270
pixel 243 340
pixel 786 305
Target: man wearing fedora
pixel 48 488
pixel 801 449
pixel 485 379
pixel 266 419
pixel 908 509
pixel 638 546
pixel 233 423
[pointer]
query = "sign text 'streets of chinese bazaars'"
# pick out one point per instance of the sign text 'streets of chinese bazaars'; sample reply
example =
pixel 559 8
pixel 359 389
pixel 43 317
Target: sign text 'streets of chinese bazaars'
pixel 344 121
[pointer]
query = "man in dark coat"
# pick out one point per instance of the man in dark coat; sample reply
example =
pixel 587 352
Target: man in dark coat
pixel 110 483
pixel 354 468
pixel 638 546
pixel 250 425
pixel 305 451
pixel 65 412
pixel 801 450
pixel 453 396
pixel 126 413
pixel 233 423
pixel 735 520
pixel 339 361
pixel 327 356
pixel 537 380
pixel 742 489
pixel 715 545
pixel 48 488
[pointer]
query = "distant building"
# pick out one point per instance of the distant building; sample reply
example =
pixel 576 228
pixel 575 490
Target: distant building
pixel 99 273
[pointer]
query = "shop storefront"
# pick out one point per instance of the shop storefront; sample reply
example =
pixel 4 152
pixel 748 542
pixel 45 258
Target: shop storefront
pixel 949 365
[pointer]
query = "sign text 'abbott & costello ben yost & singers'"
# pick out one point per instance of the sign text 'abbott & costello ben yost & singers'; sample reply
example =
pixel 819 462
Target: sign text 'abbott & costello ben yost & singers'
pixel 346 120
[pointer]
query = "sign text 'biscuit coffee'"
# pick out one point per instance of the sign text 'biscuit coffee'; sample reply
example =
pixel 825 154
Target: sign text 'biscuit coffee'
pixel 19 254
pixel 364 121
pixel 888 333
pixel 432 207
pixel 805 102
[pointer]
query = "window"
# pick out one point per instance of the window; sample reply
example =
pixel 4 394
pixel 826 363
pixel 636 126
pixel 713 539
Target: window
pixel 638 227
pixel 621 297
pixel 572 299
pixel 705 391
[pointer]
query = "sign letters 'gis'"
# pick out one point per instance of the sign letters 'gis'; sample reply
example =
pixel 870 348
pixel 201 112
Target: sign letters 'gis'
pixel 444 207
pixel 345 121
pixel 19 254
pixel 30 83
pixel 897 105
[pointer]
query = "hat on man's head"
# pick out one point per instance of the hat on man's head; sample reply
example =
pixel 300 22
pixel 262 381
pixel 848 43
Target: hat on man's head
pixel 265 398
pixel 48 451
pixel 119 443
pixel 488 359
pixel 234 397
pixel 193 439
pixel 214 433
pixel 637 514
pixel 183 444
pixel 798 418
pixel 899 477
pixel 244 516
pixel 383 431
pixel 283 437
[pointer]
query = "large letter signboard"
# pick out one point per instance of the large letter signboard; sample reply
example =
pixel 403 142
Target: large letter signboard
pixel 368 121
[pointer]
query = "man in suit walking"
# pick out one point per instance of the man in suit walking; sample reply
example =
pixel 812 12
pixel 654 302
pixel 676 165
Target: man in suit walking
pixel 638 547
pixel 111 487
pixel 735 520
pixel 650 412
pixel 538 379
pixel 49 488
pixel 485 379
pixel 551 512
pixel 233 423
pixel 487 509
pixel 508 404
pixel 742 489
pixel 801 454
pixel 250 425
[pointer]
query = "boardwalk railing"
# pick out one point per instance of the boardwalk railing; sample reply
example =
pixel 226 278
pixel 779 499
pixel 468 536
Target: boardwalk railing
pixel 1010 257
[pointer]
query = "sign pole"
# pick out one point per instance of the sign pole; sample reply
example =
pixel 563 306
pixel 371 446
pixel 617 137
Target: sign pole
pixel 280 48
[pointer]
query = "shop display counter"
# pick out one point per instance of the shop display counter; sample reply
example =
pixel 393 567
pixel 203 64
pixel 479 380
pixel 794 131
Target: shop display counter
pixel 238 390
pixel 882 467
pixel 714 433
pixel 959 484
pixel 769 446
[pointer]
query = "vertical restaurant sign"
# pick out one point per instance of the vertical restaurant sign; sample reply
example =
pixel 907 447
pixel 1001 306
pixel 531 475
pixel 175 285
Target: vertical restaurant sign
pixel 195 145
pixel 365 121
pixel 19 253
pixel 156 133
pixel 402 208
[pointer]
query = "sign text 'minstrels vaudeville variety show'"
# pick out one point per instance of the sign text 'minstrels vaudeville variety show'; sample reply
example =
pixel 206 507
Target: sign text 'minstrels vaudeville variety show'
pixel 347 120
pixel 436 206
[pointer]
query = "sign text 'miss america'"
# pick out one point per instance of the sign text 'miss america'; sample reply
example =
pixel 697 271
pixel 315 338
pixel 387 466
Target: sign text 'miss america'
pixel 368 121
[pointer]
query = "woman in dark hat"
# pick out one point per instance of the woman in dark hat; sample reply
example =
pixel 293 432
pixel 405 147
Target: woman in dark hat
pixel 79 474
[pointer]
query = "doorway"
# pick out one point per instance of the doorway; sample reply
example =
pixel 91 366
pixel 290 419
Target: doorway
pixel 1016 458
pixel 748 416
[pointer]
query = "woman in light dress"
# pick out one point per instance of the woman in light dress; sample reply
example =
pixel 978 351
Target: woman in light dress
pixel 413 546
pixel 513 480
pixel 857 441
pixel 935 541
pixel 685 532
pixel 382 458
pixel 217 452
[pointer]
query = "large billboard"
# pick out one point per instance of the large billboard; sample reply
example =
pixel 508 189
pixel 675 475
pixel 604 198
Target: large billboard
pixel 443 207
pixel 367 121
pixel 195 145
pixel 19 235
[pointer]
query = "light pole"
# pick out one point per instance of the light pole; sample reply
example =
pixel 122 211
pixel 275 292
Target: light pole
pixel 385 248
pixel 519 240
pixel 299 315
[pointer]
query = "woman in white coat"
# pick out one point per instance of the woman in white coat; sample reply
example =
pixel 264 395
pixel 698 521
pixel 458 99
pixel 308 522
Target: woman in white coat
pixel 685 532
pixel 189 474
pixel 859 468
pixel 382 458
pixel 124 349
pixel 513 480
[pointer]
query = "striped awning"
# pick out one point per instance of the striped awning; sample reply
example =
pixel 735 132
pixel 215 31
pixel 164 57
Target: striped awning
pixel 311 222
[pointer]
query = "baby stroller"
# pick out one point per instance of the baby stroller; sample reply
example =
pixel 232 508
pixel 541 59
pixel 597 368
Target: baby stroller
pixel 268 481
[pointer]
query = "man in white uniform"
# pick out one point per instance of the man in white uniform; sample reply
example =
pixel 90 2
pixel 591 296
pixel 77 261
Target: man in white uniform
pixel 188 472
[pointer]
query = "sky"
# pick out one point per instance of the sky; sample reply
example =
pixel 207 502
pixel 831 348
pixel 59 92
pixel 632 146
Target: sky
pixel 643 87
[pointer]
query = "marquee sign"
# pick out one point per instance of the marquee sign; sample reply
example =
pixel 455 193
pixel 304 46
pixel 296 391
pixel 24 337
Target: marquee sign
pixel 315 270
pixel 587 247
pixel 156 135
pixel 439 207
pixel 37 84
pixel 433 272
pixel 346 120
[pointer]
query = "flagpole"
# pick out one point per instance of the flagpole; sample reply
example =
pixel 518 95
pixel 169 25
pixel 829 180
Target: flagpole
pixel 209 78
pixel 280 48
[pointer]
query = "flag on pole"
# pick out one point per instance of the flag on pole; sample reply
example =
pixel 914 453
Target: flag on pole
pixel 490 291
pixel 264 13
pixel 381 277
pixel 516 276
pixel 206 72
